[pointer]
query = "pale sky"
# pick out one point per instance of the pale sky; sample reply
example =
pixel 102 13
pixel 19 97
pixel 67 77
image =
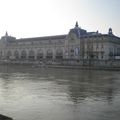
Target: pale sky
pixel 35 18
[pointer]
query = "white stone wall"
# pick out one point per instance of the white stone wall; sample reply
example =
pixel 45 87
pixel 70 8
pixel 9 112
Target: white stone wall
pixel 72 47
pixel 34 47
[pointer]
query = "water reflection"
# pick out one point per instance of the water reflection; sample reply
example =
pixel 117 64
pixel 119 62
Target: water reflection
pixel 34 93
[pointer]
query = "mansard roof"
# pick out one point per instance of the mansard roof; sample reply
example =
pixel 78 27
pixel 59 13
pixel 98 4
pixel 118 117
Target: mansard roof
pixel 56 37
pixel 100 35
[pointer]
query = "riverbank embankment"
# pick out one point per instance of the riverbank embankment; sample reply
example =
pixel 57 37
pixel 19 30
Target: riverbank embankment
pixel 66 66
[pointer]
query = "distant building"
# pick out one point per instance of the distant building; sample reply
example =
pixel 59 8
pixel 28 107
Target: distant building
pixel 78 45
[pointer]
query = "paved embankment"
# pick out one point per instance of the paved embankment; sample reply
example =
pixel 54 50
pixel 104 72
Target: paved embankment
pixel 84 67
pixel 66 66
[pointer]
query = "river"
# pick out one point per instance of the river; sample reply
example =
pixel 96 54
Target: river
pixel 33 93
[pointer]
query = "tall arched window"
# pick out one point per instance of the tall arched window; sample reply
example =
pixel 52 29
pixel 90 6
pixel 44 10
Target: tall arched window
pixel 16 54
pixel 59 54
pixel 0 53
pixel 49 54
pixel 72 53
pixel 23 54
pixel 9 54
pixel 31 55
pixel 39 54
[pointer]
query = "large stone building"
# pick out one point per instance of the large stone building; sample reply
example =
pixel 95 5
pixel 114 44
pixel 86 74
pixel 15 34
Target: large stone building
pixel 77 45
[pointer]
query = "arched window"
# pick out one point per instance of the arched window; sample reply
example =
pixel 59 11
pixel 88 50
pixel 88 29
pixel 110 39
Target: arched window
pixel 59 54
pixel 23 54
pixel 0 53
pixel 72 53
pixel 39 54
pixel 31 55
pixel 9 54
pixel 16 54
pixel 49 54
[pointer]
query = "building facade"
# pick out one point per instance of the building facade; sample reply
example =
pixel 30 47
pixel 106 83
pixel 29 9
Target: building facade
pixel 77 45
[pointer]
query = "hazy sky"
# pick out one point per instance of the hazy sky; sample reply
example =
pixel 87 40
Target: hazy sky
pixel 35 18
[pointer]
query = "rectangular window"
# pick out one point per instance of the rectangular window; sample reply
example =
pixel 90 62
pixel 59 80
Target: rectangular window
pixel 97 46
pixel 102 46
pixel 102 55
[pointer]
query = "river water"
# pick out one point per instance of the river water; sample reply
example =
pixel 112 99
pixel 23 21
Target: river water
pixel 32 93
